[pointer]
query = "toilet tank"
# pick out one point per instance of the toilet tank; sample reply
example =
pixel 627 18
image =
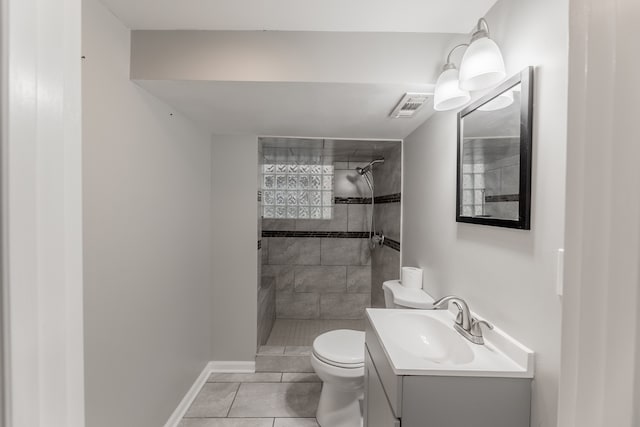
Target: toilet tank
pixel 397 296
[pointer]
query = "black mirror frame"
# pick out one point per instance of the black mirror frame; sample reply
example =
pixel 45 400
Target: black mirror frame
pixel 525 77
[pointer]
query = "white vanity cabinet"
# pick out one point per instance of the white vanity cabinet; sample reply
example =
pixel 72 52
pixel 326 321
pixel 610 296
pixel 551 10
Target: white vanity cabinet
pixel 439 401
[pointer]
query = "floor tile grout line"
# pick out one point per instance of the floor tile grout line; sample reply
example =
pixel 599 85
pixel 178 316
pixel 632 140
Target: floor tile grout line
pixel 234 400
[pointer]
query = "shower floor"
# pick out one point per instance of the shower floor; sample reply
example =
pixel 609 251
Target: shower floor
pixel 290 332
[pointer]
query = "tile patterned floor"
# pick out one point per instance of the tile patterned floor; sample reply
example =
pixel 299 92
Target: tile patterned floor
pixel 290 332
pixel 264 399
pixel 286 397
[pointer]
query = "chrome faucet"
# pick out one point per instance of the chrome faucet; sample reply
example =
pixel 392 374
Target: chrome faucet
pixel 467 325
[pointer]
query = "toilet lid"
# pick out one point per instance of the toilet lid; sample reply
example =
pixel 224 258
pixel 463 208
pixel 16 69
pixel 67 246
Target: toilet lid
pixel 342 347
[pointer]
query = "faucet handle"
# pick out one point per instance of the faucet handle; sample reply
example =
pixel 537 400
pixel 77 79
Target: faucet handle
pixel 459 314
pixel 476 330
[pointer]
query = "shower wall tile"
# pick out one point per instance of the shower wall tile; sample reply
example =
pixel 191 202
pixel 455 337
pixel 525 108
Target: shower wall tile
pixel 321 279
pixel 385 266
pixel 345 252
pixel 354 165
pixel 511 179
pixel 359 279
pixel 264 252
pixel 297 305
pixel 359 217
pixel 340 165
pixel 344 306
pixel 388 175
pixel 294 251
pixel 388 219
pixel 278 224
pixel 349 183
pixel 283 276
pixel 305 270
pixel 337 223
pixel 266 309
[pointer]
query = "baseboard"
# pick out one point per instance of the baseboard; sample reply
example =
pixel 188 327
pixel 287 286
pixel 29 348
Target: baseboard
pixel 211 367
pixel 231 366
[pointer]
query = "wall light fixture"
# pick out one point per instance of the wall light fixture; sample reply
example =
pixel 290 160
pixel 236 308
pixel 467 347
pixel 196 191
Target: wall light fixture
pixel 482 65
pixel 448 95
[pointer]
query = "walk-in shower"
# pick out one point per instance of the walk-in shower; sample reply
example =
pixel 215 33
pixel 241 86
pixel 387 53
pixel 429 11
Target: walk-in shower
pixel 317 269
pixel 375 238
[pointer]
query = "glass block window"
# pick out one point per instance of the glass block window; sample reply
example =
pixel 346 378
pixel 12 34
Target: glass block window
pixel 299 191
pixel 473 190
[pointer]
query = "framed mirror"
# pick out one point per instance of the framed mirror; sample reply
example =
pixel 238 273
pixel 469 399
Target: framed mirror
pixel 494 156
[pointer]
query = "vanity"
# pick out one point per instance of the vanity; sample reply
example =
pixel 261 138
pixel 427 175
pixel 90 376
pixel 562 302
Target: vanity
pixel 419 372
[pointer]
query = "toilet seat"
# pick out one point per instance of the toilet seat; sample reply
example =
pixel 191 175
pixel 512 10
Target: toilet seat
pixel 342 348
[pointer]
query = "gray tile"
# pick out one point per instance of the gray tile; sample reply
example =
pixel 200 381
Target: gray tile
pixel 266 311
pixel 271 350
pixel 226 422
pixel 385 265
pixel 283 364
pixel 295 377
pixel 348 183
pixel 297 306
pixel 321 279
pixel 297 350
pixel 294 250
pixel 296 422
pixel 340 165
pixel 276 400
pixel 283 275
pixel 266 281
pixel 278 224
pixel 344 306
pixel 337 223
pixel 258 377
pixel 510 180
pixel 345 252
pixel 359 279
pixel 388 219
pixel 265 251
pixel 359 217
pixel 492 182
pixel 388 176
pixel 214 400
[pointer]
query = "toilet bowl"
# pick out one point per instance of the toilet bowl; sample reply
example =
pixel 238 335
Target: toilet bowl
pixel 338 359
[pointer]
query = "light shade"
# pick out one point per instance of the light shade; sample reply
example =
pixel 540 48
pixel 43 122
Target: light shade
pixel 499 102
pixel 482 65
pixel 448 95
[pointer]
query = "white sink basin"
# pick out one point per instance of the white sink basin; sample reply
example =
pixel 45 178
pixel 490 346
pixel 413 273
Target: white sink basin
pixel 428 338
pixel 423 342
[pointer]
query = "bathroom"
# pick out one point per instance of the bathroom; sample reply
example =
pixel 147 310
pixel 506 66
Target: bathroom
pixel 203 200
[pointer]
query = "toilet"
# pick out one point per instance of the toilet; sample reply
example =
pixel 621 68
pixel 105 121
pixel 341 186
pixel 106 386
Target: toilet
pixel 338 359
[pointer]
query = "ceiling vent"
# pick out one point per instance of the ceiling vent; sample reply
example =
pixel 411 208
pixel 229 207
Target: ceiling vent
pixel 410 103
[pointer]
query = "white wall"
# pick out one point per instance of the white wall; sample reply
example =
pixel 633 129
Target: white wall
pixel 600 382
pixel 147 189
pixel 507 276
pixel 234 240
pixel 41 213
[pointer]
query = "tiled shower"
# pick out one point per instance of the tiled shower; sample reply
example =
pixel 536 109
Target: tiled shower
pixel 318 270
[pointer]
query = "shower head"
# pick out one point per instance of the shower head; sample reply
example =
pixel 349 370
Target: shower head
pixel 368 167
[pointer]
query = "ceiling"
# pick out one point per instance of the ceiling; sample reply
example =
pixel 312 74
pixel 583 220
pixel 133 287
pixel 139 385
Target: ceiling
pixel 342 85
pixel 428 16
pixel 342 110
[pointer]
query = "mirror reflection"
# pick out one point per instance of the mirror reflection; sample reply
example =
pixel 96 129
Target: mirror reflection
pixel 490 158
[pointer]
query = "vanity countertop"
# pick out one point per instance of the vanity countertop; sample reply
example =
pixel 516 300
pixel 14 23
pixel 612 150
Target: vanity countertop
pixel 424 342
